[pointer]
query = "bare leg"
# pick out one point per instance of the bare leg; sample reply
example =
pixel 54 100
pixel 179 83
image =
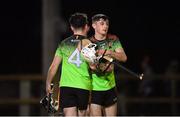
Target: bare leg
pixel 88 111
pixel 111 110
pixel 95 110
pixel 70 111
pixel 82 112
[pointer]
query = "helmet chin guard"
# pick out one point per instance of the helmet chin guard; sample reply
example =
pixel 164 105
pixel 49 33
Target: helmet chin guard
pixel 89 53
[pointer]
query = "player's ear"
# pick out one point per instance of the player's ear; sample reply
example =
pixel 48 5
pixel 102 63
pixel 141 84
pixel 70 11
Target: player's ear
pixel 72 28
pixel 87 27
pixel 93 25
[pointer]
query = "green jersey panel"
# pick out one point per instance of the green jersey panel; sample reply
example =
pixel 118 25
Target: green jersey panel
pixel 116 44
pixel 106 81
pixel 75 70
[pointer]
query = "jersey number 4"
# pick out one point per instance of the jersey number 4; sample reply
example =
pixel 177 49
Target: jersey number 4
pixel 75 58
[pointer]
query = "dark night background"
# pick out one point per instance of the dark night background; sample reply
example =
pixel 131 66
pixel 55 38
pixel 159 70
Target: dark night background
pixel 145 27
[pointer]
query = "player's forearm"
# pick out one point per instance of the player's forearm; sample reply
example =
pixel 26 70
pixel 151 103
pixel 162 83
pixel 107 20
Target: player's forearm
pixel 120 56
pixel 49 79
pixel 53 69
pixel 50 76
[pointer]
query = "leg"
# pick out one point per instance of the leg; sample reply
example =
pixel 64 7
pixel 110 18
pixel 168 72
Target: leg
pixel 82 112
pixel 110 107
pixel 68 101
pixel 88 111
pixel 96 106
pixel 111 110
pixel 95 110
pixel 83 101
pixel 70 111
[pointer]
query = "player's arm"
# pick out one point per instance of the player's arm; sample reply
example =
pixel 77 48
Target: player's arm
pixel 52 72
pixel 118 54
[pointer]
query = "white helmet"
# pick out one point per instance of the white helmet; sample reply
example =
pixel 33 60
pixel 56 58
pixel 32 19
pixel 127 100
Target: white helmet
pixel 89 52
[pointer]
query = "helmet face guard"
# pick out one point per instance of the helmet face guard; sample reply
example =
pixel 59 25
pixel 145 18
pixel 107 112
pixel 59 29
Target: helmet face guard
pixel 48 104
pixel 102 62
pixel 89 52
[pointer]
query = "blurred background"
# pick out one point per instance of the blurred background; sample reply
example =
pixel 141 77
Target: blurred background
pixel 148 30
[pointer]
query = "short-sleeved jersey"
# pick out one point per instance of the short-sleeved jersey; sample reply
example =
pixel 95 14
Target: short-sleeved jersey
pixel 75 70
pixel 105 81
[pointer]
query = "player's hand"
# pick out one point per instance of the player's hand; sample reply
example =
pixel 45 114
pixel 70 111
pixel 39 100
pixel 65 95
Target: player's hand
pixel 48 89
pixel 109 52
pixel 100 52
pixel 93 66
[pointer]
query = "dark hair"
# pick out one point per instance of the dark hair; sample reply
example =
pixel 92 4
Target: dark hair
pixel 97 17
pixel 78 20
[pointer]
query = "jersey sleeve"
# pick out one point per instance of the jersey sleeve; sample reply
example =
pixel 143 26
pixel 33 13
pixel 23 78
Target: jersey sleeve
pixel 117 44
pixel 59 51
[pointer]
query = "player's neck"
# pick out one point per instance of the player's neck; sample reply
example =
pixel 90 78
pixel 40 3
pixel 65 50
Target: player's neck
pixel 80 33
pixel 99 37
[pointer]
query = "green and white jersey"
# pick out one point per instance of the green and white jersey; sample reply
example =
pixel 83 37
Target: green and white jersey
pixel 105 81
pixel 75 70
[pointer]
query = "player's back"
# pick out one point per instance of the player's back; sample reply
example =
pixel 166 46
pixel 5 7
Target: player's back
pixel 74 68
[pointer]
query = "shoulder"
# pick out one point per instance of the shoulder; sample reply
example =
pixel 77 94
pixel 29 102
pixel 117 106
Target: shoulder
pixel 92 39
pixel 65 40
pixel 112 37
pixel 85 42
